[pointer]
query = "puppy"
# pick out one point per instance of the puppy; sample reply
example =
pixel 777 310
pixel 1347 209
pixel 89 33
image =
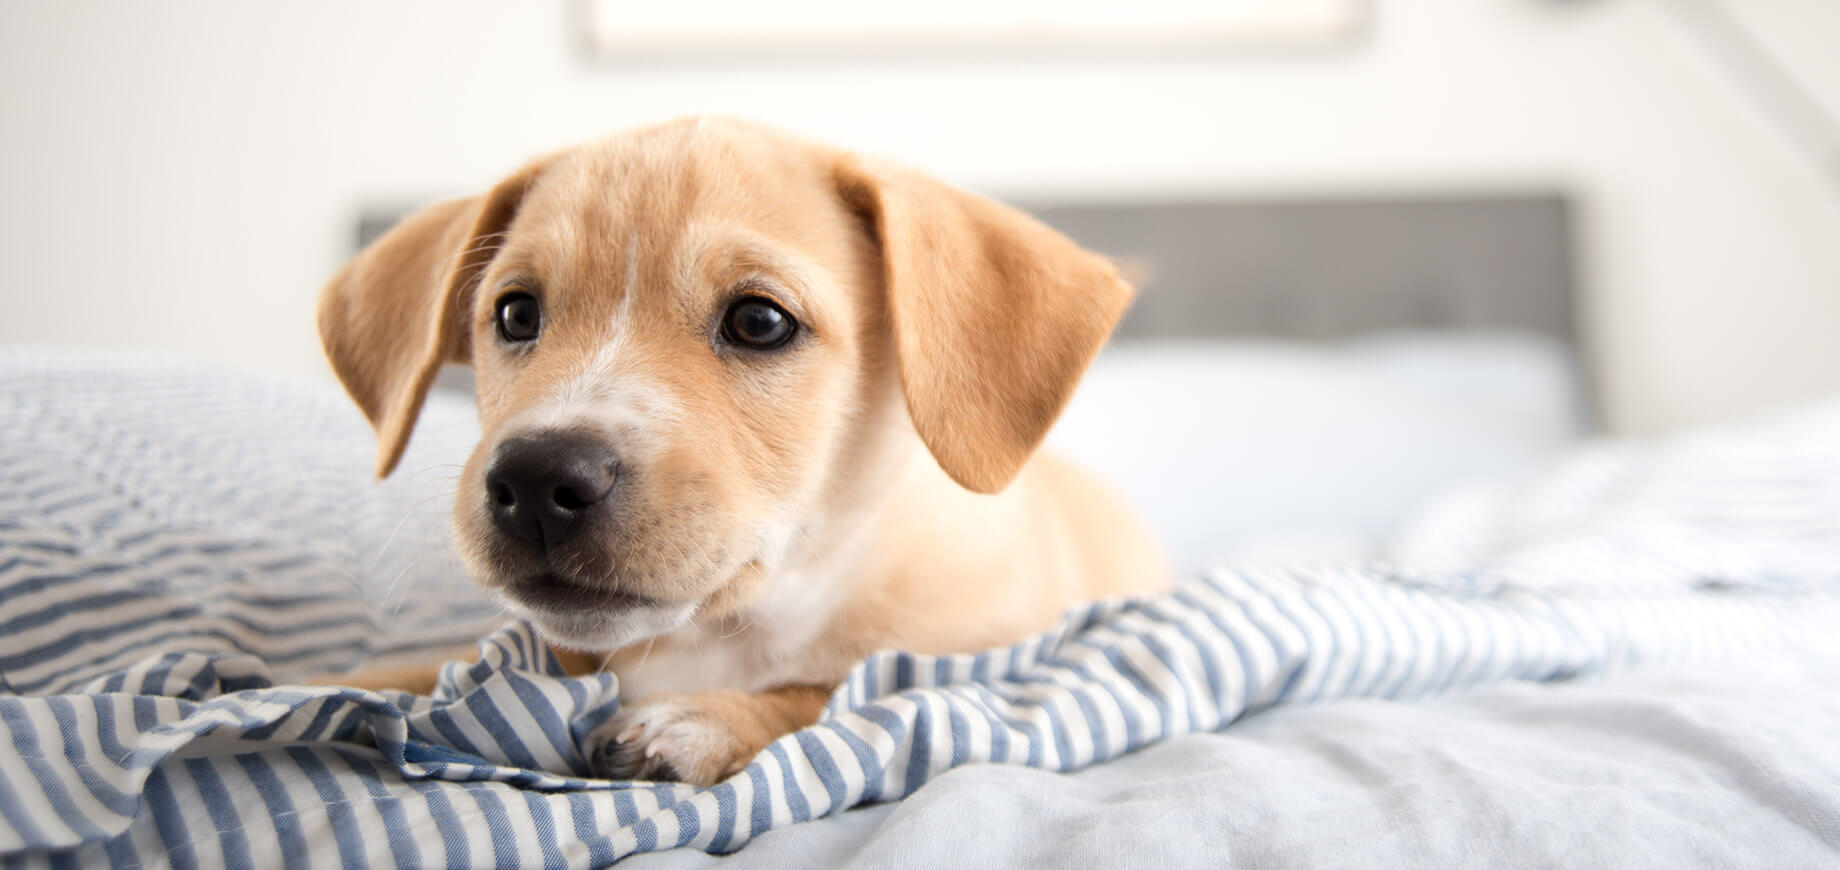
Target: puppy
pixel 751 409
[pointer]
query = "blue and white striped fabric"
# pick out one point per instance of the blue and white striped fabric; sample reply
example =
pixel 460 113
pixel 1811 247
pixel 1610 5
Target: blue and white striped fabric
pixel 147 615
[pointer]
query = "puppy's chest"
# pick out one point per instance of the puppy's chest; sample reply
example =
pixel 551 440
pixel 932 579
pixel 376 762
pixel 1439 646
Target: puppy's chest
pixel 698 659
pixel 789 638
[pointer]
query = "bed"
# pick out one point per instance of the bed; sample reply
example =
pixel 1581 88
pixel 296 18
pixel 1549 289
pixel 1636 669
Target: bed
pixel 1420 624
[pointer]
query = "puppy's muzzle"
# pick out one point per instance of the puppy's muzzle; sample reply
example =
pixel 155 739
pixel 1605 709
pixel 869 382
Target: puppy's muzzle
pixel 541 488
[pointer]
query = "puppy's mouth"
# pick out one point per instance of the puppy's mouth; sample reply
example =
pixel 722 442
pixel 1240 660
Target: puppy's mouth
pixel 552 592
pixel 581 616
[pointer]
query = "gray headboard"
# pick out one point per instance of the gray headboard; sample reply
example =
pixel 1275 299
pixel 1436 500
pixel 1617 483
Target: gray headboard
pixel 1330 268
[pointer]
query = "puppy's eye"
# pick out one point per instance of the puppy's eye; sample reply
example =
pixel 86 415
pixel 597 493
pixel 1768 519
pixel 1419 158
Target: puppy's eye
pixel 757 323
pixel 519 317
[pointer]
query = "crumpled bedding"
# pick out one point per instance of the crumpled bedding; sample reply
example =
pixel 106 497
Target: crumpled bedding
pixel 152 614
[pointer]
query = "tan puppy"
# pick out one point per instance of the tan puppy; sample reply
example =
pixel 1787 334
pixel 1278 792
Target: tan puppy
pixel 752 408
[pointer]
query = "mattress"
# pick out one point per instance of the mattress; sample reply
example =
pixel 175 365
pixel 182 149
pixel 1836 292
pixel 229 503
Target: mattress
pixel 178 547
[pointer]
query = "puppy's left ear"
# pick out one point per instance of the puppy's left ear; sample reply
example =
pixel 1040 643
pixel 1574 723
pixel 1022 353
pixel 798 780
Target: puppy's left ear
pixel 995 317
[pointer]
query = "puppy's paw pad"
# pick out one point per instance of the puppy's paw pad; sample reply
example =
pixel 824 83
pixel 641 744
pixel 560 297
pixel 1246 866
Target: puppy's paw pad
pixel 667 738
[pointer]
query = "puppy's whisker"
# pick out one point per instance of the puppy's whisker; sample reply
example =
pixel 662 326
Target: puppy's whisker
pixel 432 467
pixel 742 627
pixel 400 523
pixel 648 651
pixel 481 244
pixel 392 587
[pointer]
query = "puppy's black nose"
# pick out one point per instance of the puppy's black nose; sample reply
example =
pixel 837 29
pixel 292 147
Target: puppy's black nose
pixel 540 487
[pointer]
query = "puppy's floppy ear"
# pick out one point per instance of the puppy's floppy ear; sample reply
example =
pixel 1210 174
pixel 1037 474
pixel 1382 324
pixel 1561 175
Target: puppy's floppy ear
pixel 995 317
pixel 399 310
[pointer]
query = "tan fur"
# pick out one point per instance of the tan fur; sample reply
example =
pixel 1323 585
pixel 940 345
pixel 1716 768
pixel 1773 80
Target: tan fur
pixel 872 485
pixel 418 679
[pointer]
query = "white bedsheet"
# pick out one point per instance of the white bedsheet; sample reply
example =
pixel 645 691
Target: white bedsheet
pixel 1734 768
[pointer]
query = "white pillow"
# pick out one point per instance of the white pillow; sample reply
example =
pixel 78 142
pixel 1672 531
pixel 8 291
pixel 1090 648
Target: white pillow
pixel 1286 449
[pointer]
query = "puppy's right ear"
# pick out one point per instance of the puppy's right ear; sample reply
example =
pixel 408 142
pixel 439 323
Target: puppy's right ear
pixel 995 317
pixel 398 310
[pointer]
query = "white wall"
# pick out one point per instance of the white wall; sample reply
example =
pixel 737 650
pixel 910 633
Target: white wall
pixel 183 175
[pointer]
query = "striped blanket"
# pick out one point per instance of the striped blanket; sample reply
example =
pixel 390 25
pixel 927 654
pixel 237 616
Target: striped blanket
pixel 177 546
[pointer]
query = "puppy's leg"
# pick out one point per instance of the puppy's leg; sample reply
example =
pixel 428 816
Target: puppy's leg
pixel 420 676
pixel 417 675
pixel 703 738
pixel 418 679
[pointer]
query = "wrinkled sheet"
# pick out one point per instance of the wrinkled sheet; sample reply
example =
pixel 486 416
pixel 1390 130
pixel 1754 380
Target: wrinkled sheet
pixel 1737 768
pixel 177 546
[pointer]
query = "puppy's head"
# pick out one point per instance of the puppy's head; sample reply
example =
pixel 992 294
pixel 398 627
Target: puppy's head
pixel 699 348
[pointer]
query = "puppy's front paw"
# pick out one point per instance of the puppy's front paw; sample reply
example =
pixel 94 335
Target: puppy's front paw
pixel 686 738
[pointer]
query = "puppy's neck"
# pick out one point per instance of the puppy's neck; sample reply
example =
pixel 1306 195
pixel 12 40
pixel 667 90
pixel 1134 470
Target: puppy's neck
pixel 787 634
pixel 841 552
pixel 804 622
